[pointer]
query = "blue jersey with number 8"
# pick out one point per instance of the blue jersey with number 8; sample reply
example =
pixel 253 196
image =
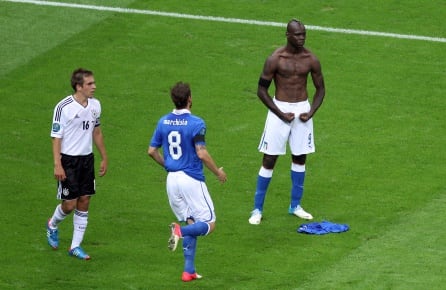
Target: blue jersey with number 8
pixel 178 133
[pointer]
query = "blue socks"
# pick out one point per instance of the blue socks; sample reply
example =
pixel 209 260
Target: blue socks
pixel 189 246
pixel 262 186
pixel 263 180
pixel 297 180
pixel 297 189
pixel 190 234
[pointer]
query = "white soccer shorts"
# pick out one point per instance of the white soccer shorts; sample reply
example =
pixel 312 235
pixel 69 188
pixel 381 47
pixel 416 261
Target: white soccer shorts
pixel 277 133
pixel 189 197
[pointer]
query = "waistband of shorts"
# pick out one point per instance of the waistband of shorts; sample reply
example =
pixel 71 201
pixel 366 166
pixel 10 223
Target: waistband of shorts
pixel 179 172
pixel 80 156
pixel 288 103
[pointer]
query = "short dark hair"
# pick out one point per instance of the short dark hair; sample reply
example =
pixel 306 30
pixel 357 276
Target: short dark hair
pixel 77 78
pixel 180 93
pixel 294 20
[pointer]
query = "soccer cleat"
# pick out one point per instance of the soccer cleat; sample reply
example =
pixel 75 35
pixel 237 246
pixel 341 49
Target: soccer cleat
pixel 187 277
pixel 174 236
pixel 256 217
pixel 300 212
pixel 79 253
pixel 52 236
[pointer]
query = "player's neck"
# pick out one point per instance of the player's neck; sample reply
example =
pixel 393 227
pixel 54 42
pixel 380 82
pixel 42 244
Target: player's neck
pixel 83 101
pixel 295 49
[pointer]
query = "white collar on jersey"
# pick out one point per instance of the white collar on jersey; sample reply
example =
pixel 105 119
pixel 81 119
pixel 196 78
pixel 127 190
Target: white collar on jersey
pixel 181 111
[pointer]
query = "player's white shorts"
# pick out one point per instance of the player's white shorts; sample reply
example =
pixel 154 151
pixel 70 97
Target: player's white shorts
pixel 189 197
pixel 278 133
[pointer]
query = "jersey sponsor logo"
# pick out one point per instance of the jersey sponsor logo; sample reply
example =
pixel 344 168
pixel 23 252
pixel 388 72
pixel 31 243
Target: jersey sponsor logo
pixel 56 127
pixel 175 122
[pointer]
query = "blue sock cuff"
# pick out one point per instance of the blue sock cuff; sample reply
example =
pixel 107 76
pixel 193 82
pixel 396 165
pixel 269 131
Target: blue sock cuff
pixel 196 229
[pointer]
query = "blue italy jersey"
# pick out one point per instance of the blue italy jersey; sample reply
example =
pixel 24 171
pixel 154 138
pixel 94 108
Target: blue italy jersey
pixel 175 133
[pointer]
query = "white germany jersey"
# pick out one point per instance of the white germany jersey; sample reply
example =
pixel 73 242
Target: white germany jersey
pixel 74 124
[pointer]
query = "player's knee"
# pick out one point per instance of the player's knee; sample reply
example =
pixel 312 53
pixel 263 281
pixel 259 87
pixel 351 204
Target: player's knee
pixel 83 203
pixel 299 159
pixel 269 161
pixel 211 227
pixel 68 206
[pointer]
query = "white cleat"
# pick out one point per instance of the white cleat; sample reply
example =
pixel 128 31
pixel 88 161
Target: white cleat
pixel 256 217
pixel 300 212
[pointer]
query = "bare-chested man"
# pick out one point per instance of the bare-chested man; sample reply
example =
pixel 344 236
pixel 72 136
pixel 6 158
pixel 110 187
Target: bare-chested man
pixel 289 118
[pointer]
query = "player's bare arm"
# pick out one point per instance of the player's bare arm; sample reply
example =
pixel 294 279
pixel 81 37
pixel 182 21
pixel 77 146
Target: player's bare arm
pixel 59 172
pixel 204 155
pixel 154 153
pixel 98 139
pixel 319 94
pixel 268 73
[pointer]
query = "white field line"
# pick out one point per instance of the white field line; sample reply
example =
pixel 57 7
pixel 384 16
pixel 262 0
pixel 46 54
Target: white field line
pixel 228 20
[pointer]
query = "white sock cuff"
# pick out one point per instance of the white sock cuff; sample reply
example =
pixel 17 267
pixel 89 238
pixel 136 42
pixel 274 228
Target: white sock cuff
pixel 60 211
pixel 297 167
pixel 267 173
pixel 83 214
pixel 80 220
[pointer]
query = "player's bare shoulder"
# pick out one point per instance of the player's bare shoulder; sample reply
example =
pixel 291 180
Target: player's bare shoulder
pixel 274 56
pixel 310 54
pixel 272 62
pixel 282 53
pixel 313 60
pixel 279 56
pixel 309 58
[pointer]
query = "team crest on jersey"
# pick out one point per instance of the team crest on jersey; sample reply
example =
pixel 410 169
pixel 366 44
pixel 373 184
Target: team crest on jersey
pixel 94 114
pixel 56 127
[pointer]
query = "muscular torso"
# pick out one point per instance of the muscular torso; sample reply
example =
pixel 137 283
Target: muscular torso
pixel 291 74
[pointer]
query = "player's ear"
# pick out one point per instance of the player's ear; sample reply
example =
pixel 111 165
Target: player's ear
pixel 78 87
pixel 189 101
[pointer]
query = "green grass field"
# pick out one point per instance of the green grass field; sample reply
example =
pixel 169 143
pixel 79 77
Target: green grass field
pixel 380 137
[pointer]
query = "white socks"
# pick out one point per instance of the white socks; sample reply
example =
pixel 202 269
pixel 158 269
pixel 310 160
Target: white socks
pixel 57 217
pixel 80 221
